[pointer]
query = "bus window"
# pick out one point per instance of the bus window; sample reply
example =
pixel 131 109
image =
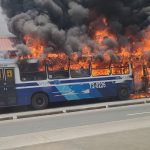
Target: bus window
pixel 99 67
pixel 119 69
pixel 80 68
pixel 59 74
pixel 32 71
pixel 58 67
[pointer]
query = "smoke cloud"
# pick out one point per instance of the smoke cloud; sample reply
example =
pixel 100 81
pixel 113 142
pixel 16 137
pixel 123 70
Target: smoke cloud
pixel 68 25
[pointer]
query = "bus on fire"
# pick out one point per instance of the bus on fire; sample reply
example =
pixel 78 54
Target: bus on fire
pixel 37 83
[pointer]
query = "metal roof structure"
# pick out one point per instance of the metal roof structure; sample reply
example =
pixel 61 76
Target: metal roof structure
pixel 8 41
pixel 8 44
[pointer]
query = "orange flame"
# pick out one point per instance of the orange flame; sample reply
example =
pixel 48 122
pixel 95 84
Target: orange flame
pixel 101 65
pixel 100 35
pixel 36 45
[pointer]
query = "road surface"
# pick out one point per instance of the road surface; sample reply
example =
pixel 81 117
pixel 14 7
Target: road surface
pixel 126 140
pixel 38 124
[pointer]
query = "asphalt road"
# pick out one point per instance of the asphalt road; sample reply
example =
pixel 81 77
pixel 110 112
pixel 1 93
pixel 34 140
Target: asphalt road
pixel 61 121
pixel 125 140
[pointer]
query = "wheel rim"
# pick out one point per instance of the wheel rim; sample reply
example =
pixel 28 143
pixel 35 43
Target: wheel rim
pixel 124 92
pixel 40 101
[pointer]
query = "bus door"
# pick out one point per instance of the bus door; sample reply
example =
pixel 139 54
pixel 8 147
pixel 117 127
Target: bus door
pixel 2 95
pixel 7 87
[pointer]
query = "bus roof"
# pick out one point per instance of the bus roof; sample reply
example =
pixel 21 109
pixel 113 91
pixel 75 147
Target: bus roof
pixel 8 62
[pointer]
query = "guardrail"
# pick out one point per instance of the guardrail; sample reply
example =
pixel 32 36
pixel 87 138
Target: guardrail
pixel 70 109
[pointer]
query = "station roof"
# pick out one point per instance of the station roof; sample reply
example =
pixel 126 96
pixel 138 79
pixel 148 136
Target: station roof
pixel 8 44
pixel 8 41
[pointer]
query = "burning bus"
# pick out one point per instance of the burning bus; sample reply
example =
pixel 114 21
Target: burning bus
pixel 79 49
pixel 36 83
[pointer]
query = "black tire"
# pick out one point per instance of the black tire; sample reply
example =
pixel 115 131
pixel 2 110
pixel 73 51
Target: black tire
pixel 123 93
pixel 39 101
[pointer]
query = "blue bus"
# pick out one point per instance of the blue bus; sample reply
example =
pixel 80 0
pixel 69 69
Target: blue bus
pixel 35 83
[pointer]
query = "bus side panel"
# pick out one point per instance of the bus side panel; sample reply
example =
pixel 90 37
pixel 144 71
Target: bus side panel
pixel 24 95
pixel 75 91
pixel 70 92
pixel 131 86
pixel 109 89
pixel 87 90
pixel 127 84
pixel 56 95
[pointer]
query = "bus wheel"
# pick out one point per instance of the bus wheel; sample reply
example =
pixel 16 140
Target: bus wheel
pixel 39 101
pixel 123 94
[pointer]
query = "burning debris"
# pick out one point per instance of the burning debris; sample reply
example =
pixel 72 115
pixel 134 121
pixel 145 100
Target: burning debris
pixel 118 32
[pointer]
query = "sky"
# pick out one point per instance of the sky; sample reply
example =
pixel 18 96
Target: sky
pixel 3 26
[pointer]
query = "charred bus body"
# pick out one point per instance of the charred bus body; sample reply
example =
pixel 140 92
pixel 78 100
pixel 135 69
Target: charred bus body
pixel 31 82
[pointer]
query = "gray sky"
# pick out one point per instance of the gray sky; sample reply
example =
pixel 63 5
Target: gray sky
pixel 3 26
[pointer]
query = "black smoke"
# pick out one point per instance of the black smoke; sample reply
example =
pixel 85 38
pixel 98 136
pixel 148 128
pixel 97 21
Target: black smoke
pixel 68 25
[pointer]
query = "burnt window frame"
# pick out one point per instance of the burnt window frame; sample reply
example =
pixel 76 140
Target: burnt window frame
pixel 109 68
pixel 127 66
pixel 60 75
pixel 29 76
pixel 81 69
